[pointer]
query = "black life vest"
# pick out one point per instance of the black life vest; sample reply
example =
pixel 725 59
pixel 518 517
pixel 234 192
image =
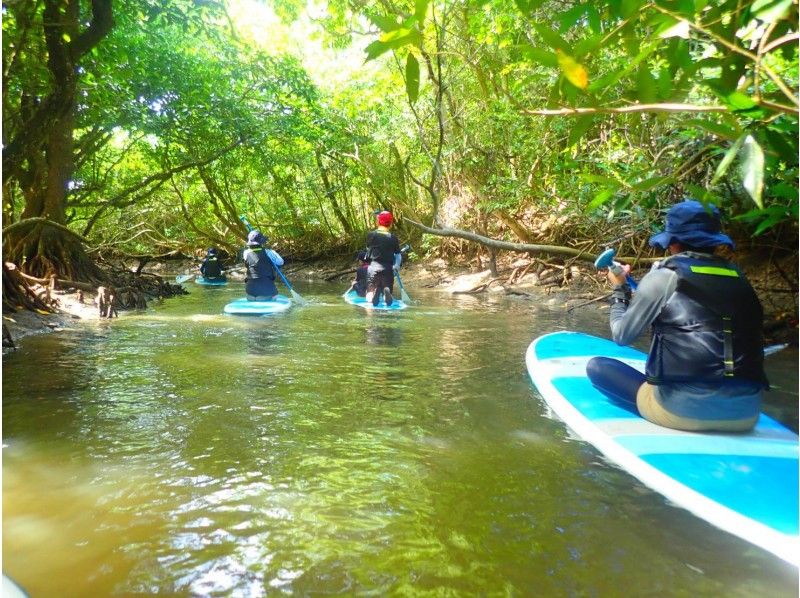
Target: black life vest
pixel 258 263
pixel 711 327
pixel 211 268
pixel 381 247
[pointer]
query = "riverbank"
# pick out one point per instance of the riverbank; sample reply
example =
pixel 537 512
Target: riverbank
pixel 569 286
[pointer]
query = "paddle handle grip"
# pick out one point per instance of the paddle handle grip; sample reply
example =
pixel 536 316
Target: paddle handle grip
pixel 616 268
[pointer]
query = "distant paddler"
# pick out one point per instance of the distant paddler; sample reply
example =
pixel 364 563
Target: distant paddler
pixel 383 251
pixel 705 368
pixel 260 277
pixel 211 266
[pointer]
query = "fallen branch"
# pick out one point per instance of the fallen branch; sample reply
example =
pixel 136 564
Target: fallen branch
pixel 585 303
pixel 580 254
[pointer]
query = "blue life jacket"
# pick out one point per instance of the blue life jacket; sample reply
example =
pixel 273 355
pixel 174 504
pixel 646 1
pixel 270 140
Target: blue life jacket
pixel 710 329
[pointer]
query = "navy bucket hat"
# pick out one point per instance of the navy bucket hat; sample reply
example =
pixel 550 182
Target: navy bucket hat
pixel 254 237
pixel 691 223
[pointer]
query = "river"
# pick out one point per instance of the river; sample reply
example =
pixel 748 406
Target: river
pixel 330 450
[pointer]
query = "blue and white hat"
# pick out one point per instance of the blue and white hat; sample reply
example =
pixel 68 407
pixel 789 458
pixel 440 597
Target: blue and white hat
pixel 254 237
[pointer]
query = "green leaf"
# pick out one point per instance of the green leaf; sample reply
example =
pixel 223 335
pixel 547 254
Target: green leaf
pixel 703 195
pixel 392 41
pixel 651 183
pixel 664 84
pixel 753 169
pixel 541 56
pixel 781 144
pixel 645 85
pixel 737 101
pixel 727 159
pixel 770 11
pixel 412 77
pixel 551 38
pixel 596 178
pixel 568 18
pixel 612 78
pixel 587 45
pixel 375 49
pixel 582 125
pixel 384 22
pixel 718 129
pixel 420 10
pixel 602 197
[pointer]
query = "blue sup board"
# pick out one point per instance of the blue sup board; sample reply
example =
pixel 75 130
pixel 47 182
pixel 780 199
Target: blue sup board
pixel 210 283
pixel 745 484
pixel 243 307
pixel 353 299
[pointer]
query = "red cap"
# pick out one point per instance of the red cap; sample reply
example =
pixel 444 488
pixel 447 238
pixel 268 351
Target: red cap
pixel 385 218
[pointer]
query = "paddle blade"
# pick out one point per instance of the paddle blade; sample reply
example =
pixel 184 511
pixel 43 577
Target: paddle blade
pixel 404 296
pixel 296 296
pixel 183 278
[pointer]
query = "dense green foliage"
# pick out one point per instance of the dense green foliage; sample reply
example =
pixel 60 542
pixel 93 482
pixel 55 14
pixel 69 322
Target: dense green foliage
pixel 527 120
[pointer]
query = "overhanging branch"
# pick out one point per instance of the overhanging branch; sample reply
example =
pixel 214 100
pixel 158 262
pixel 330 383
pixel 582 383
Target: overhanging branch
pixel 625 109
pixel 580 254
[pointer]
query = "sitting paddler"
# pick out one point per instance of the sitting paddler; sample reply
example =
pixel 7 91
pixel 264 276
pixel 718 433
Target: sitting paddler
pixel 211 267
pixel 259 282
pixel 383 251
pixel 705 369
pixel 359 285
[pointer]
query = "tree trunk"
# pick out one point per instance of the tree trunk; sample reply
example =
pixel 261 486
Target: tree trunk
pixel 40 157
pixel 330 194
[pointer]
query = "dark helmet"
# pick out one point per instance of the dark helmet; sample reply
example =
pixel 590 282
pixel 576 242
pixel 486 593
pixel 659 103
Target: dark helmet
pixel 212 251
pixel 254 237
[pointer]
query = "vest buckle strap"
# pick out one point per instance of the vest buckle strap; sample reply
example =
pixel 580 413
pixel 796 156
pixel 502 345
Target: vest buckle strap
pixel 727 339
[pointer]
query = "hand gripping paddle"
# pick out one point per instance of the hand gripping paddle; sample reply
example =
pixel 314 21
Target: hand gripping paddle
pixel 606 260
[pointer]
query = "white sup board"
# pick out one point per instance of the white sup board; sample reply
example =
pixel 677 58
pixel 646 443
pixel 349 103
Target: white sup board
pixel 745 484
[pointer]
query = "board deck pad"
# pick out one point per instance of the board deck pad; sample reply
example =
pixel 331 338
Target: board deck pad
pixel 210 283
pixel 244 307
pixel 353 298
pixel 746 484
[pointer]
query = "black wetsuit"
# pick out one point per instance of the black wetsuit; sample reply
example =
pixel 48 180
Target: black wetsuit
pixel 381 249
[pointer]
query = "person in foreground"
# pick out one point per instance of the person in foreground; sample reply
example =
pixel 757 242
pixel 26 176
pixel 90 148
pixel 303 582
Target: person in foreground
pixel 359 285
pixel 705 369
pixel 260 279
pixel 383 251
pixel 211 268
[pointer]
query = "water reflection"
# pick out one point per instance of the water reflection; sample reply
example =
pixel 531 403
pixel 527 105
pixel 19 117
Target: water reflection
pixel 330 450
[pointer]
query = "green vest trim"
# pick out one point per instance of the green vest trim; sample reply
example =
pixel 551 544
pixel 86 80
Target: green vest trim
pixel 714 271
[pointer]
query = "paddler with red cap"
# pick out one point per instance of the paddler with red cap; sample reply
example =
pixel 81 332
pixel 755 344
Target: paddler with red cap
pixel 383 249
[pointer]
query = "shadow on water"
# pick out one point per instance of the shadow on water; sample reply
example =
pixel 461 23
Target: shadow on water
pixel 333 450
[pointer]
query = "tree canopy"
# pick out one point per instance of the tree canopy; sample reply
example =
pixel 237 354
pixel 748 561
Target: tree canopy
pixel 144 128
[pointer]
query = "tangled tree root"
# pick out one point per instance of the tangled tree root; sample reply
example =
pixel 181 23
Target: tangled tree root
pixel 124 290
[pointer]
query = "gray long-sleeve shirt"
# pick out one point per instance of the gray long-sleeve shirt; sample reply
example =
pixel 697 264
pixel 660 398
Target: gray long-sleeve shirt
pixel 729 399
